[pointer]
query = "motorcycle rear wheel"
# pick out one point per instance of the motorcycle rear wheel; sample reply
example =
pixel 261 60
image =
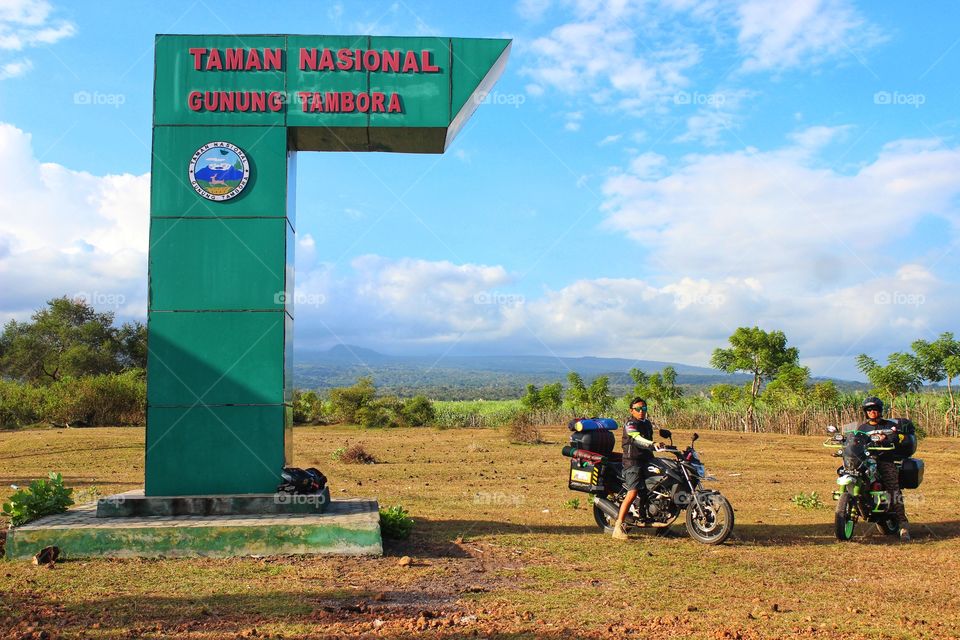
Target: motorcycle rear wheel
pixel 845 517
pixel 604 521
pixel 712 522
pixel 889 526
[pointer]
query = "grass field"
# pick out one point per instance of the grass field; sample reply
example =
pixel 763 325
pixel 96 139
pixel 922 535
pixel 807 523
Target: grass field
pixel 498 551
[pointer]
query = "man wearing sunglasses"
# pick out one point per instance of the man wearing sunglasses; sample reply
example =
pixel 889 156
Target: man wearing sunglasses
pixel 886 467
pixel 638 450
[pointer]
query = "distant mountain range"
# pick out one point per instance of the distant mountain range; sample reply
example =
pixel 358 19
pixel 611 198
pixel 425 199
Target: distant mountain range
pixel 490 377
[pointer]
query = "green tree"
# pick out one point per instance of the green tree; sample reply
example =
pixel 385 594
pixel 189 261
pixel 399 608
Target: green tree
pixel 551 396
pixel 757 352
pixel 662 390
pixel 824 394
pixel 640 380
pixel 726 394
pixel 532 400
pixel 789 388
pixel 898 377
pixel 930 362
pixel 577 398
pixel 69 338
pixel 600 398
pixel 347 401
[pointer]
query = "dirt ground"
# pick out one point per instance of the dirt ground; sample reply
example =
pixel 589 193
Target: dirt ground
pixel 501 550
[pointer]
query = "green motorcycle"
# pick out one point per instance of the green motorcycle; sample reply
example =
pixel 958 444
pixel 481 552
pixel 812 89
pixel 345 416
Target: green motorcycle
pixel 861 495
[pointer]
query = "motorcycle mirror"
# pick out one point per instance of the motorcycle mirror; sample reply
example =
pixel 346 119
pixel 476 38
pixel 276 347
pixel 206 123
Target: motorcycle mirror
pixel 831 429
pixel 696 436
pixel 666 433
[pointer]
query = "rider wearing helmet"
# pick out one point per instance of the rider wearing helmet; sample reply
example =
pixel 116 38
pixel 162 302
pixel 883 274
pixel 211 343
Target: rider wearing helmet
pixel 886 469
pixel 638 447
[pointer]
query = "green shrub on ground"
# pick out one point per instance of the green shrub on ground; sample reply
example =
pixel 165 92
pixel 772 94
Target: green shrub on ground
pixel 41 498
pixel 107 399
pixel 418 411
pixel 805 501
pixel 395 523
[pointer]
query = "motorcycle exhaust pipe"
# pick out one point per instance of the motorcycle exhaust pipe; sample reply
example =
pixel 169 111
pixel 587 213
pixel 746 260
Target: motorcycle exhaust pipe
pixel 607 507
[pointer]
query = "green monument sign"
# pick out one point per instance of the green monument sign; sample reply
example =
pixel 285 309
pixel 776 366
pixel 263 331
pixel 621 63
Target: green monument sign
pixel 230 114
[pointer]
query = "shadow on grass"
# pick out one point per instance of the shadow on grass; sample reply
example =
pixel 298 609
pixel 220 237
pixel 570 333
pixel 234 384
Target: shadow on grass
pixel 436 537
pixel 823 534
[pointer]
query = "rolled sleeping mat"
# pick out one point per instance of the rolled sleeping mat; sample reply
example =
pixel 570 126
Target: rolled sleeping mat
pixel 583 454
pixel 593 424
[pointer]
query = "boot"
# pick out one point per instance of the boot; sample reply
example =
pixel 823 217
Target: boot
pixel 904 533
pixel 618 531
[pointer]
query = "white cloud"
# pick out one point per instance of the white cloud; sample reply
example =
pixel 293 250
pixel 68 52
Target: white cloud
pixel 610 53
pixel 25 24
pixel 716 116
pixel 777 35
pixel 69 232
pixel 533 9
pixel 15 68
pixel 416 306
pixel 610 139
pixel 777 214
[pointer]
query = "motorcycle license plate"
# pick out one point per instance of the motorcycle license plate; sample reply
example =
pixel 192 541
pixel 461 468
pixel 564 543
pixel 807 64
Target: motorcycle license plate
pixel 579 475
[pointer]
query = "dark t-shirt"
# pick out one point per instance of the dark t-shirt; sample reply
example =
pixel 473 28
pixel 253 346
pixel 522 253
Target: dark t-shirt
pixel 633 451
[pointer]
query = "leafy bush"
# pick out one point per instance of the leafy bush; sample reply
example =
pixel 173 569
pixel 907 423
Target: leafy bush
pixel 308 408
pixel 41 498
pixel 347 401
pixel 109 399
pixel 381 412
pixel 337 454
pixel 572 503
pixel 418 411
pixel 20 404
pixel 395 523
pixel 805 501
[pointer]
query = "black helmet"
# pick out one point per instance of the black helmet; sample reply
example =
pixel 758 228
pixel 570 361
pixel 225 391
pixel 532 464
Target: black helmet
pixel 872 403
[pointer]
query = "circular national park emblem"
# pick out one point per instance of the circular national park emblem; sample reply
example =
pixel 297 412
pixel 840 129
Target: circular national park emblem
pixel 219 171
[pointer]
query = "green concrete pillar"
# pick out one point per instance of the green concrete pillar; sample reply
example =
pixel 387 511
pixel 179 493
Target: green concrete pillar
pixel 230 113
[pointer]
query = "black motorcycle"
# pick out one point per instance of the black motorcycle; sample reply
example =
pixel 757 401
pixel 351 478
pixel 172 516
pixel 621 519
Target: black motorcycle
pixel 674 485
pixel 861 495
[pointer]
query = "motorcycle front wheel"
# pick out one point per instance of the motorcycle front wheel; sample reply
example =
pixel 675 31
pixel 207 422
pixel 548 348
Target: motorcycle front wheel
pixel 710 519
pixel 845 517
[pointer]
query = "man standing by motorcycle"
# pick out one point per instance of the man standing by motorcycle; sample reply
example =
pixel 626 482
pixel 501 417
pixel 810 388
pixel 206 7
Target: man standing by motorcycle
pixel 638 450
pixel 886 468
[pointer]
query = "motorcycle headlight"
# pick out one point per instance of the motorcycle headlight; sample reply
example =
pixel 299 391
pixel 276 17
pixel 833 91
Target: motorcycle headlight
pixel 699 469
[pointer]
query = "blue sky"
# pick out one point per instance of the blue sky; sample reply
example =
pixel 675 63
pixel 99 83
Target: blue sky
pixel 646 177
